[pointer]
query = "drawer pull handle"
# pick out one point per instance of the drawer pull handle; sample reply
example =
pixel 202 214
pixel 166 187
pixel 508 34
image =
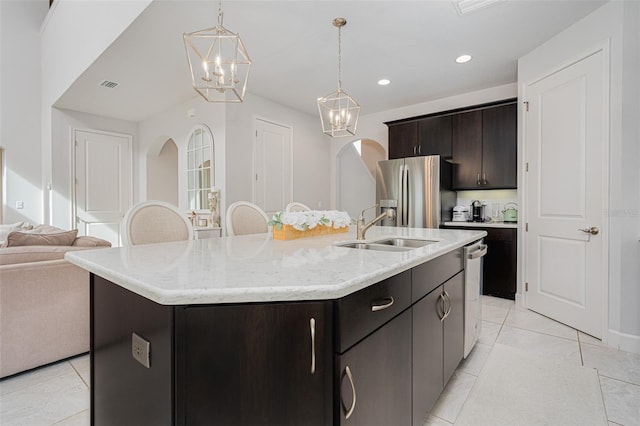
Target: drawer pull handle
pixel 384 304
pixel 441 304
pixel 349 412
pixel 312 327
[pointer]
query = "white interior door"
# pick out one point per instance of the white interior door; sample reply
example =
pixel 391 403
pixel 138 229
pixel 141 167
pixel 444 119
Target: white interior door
pixel 272 167
pixel 565 139
pixel 103 183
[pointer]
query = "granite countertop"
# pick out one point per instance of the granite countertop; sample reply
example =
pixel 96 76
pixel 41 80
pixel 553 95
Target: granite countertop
pixel 256 268
pixel 483 224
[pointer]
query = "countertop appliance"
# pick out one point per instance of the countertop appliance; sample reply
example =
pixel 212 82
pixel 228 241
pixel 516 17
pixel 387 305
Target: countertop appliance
pixel 473 254
pixel 477 211
pixel 460 214
pixel 510 213
pixel 419 188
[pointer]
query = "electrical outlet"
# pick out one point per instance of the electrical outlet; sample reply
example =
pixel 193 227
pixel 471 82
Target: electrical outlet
pixel 141 350
pixel 19 204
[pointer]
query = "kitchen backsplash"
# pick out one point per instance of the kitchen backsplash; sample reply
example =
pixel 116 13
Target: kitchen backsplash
pixel 500 197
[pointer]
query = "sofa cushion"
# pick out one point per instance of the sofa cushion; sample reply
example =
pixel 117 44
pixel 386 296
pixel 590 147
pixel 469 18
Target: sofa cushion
pixel 25 254
pixel 89 241
pixel 17 238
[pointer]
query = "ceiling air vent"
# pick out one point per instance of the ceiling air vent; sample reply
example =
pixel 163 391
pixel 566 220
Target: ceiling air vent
pixel 109 84
pixel 466 6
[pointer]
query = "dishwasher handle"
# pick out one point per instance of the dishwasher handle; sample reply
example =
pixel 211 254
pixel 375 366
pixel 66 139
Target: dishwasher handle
pixel 478 253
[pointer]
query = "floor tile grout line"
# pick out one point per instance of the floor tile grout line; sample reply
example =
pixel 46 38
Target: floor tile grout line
pixel 79 375
pixel 616 379
pixel 580 348
pixel 541 332
pixel 604 404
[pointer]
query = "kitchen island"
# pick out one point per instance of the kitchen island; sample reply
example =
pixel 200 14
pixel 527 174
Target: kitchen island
pixel 248 330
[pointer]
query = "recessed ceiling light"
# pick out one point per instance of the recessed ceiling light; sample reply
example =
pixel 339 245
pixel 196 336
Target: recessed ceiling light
pixel 463 58
pixel 384 82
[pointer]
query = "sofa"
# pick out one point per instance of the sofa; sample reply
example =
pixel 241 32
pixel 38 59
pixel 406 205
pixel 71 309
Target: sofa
pixel 44 300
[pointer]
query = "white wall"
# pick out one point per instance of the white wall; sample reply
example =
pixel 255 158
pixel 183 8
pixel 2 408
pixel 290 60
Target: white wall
pixel 20 108
pixel 74 34
pixel 356 187
pixel 311 150
pixel 371 126
pixel 615 23
pixel 177 125
pixel 63 122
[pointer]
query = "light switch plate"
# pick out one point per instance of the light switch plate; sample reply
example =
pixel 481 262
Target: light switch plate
pixel 141 350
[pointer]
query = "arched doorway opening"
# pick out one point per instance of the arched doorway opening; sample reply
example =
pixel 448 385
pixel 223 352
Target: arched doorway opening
pixel 162 173
pixel 355 175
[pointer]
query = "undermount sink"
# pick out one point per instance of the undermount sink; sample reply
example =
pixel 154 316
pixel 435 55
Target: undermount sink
pixel 372 246
pixel 389 244
pixel 405 242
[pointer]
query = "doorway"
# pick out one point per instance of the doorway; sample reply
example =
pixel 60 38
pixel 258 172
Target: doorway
pixel 355 175
pixel 566 140
pixel 162 174
pixel 102 176
pixel 272 185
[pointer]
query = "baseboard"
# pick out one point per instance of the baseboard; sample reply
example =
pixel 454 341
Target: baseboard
pixel 623 341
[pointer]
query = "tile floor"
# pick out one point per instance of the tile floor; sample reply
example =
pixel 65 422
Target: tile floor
pixel 59 394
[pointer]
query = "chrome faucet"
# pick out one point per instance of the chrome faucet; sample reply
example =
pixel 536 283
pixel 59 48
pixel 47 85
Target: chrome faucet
pixel 361 226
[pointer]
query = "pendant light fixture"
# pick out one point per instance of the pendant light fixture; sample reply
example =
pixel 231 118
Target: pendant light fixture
pixel 339 111
pixel 218 61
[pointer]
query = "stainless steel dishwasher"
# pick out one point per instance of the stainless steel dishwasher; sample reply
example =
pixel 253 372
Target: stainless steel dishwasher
pixel 473 254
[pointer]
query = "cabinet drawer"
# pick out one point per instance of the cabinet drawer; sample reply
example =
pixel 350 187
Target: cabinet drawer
pixel 358 314
pixel 428 276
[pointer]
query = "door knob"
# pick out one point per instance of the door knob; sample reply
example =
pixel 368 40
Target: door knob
pixel 593 230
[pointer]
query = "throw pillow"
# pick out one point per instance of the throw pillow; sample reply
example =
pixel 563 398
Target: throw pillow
pixel 18 238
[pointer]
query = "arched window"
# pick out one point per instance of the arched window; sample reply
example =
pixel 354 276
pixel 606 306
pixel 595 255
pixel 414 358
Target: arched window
pixel 200 175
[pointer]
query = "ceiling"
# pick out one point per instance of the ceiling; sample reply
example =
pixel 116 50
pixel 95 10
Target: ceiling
pixel 293 48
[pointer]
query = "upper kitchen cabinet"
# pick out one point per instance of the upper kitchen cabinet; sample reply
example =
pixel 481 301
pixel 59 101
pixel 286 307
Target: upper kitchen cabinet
pixel 434 136
pixel 403 139
pixel 485 148
pixel 425 136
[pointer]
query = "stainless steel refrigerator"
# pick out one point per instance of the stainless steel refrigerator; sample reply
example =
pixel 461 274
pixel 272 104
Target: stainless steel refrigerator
pixel 418 188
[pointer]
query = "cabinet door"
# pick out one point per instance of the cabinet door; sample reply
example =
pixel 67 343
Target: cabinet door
pixel 453 325
pixel 403 140
pixel 499 264
pixel 255 364
pixel 434 136
pixel 467 150
pixel 499 147
pixel 374 377
pixel 427 354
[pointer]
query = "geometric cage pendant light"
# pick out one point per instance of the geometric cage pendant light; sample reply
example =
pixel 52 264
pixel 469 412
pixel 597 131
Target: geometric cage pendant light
pixel 218 61
pixel 338 111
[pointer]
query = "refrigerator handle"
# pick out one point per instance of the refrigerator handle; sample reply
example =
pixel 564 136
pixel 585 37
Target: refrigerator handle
pixel 405 195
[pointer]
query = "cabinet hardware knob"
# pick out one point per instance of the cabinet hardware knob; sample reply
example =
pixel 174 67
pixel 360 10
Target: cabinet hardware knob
pixel 349 412
pixel 383 304
pixel 312 327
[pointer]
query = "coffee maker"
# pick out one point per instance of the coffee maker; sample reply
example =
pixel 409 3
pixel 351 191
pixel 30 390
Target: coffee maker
pixel 477 211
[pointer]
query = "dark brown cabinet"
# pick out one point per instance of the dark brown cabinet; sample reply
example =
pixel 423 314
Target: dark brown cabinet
pixel 434 136
pixel 438 343
pixel 403 140
pixel 375 377
pixel 426 136
pixel 499 275
pixel 485 148
pixel 269 364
